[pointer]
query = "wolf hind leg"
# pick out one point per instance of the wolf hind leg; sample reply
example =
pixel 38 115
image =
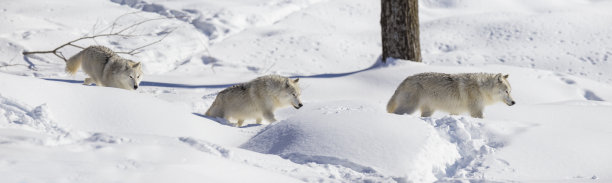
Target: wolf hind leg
pixel 405 109
pixel 88 81
pixel 426 111
pixel 240 122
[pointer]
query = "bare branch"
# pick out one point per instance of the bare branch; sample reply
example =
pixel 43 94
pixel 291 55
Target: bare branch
pixel 37 52
pixel 112 27
pixel 93 30
pixel 133 51
pixel 139 23
pixel 120 33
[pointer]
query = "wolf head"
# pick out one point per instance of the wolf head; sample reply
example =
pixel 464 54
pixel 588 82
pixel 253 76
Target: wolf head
pixel 291 93
pixel 132 75
pixel 503 89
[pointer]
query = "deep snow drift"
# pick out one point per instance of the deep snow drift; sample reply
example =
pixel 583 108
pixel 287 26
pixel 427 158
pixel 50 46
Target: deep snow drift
pixel 53 129
pixel 364 139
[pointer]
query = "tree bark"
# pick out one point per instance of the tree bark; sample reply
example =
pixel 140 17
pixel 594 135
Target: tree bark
pixel 399 21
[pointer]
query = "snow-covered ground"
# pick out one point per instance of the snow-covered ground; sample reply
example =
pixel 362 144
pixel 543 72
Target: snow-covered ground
pixel 558 55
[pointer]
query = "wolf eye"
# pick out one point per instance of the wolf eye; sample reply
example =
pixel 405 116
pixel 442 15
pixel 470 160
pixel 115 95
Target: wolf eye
pixel 131 77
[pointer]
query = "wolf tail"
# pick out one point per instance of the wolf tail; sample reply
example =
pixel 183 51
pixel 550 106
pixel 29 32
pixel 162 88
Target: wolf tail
pixel 213 110
pixel 74 63
pixel 392 105
pixel 209 112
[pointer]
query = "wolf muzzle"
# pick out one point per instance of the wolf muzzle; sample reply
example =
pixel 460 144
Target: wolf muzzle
pixel 299 106
pixel 135 87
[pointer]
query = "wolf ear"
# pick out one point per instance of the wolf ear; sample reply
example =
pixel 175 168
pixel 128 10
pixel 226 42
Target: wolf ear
pixel 136 65
pixel 506 76
pixel 499 77
pixel 296 80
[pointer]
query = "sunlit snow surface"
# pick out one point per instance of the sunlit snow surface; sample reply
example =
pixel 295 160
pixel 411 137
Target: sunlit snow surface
pixel 53 129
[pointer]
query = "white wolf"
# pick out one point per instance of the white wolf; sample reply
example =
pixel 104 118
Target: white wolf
pixel 453 93
pixel 106 68
pixel 256 99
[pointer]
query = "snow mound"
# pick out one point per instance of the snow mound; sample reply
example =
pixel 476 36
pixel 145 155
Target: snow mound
pixel 360 137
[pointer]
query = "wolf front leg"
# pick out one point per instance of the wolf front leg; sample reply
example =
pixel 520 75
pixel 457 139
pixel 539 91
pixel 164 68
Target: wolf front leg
pixel 475 107
pixel 267 107
pixel 269 116
pixel 476 114
pixel 476 111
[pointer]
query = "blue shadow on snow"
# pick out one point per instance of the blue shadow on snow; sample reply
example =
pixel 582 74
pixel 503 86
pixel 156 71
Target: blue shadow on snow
pixel 157 84
pixel 377 64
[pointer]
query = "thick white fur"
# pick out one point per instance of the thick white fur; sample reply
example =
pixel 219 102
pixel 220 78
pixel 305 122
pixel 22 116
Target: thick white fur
pixel 453 93
pixel 256 99
pixel 106 68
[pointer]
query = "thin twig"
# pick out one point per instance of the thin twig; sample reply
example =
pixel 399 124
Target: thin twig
pixel 133 51
pixel 93 30
pixel 112 27
pixel 119 33
pixel 141 22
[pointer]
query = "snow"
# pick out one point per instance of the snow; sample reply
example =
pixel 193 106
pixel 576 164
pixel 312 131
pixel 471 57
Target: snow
pixel 573 146
pixel 557 53
pixel 305 137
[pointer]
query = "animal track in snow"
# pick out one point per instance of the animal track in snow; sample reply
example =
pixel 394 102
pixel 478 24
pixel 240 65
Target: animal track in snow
pixel 474 142
pixel 206 147
pixel 590 95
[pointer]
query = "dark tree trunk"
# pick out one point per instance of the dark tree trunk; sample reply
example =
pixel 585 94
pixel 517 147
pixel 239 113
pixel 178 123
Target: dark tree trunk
pixel 399 21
